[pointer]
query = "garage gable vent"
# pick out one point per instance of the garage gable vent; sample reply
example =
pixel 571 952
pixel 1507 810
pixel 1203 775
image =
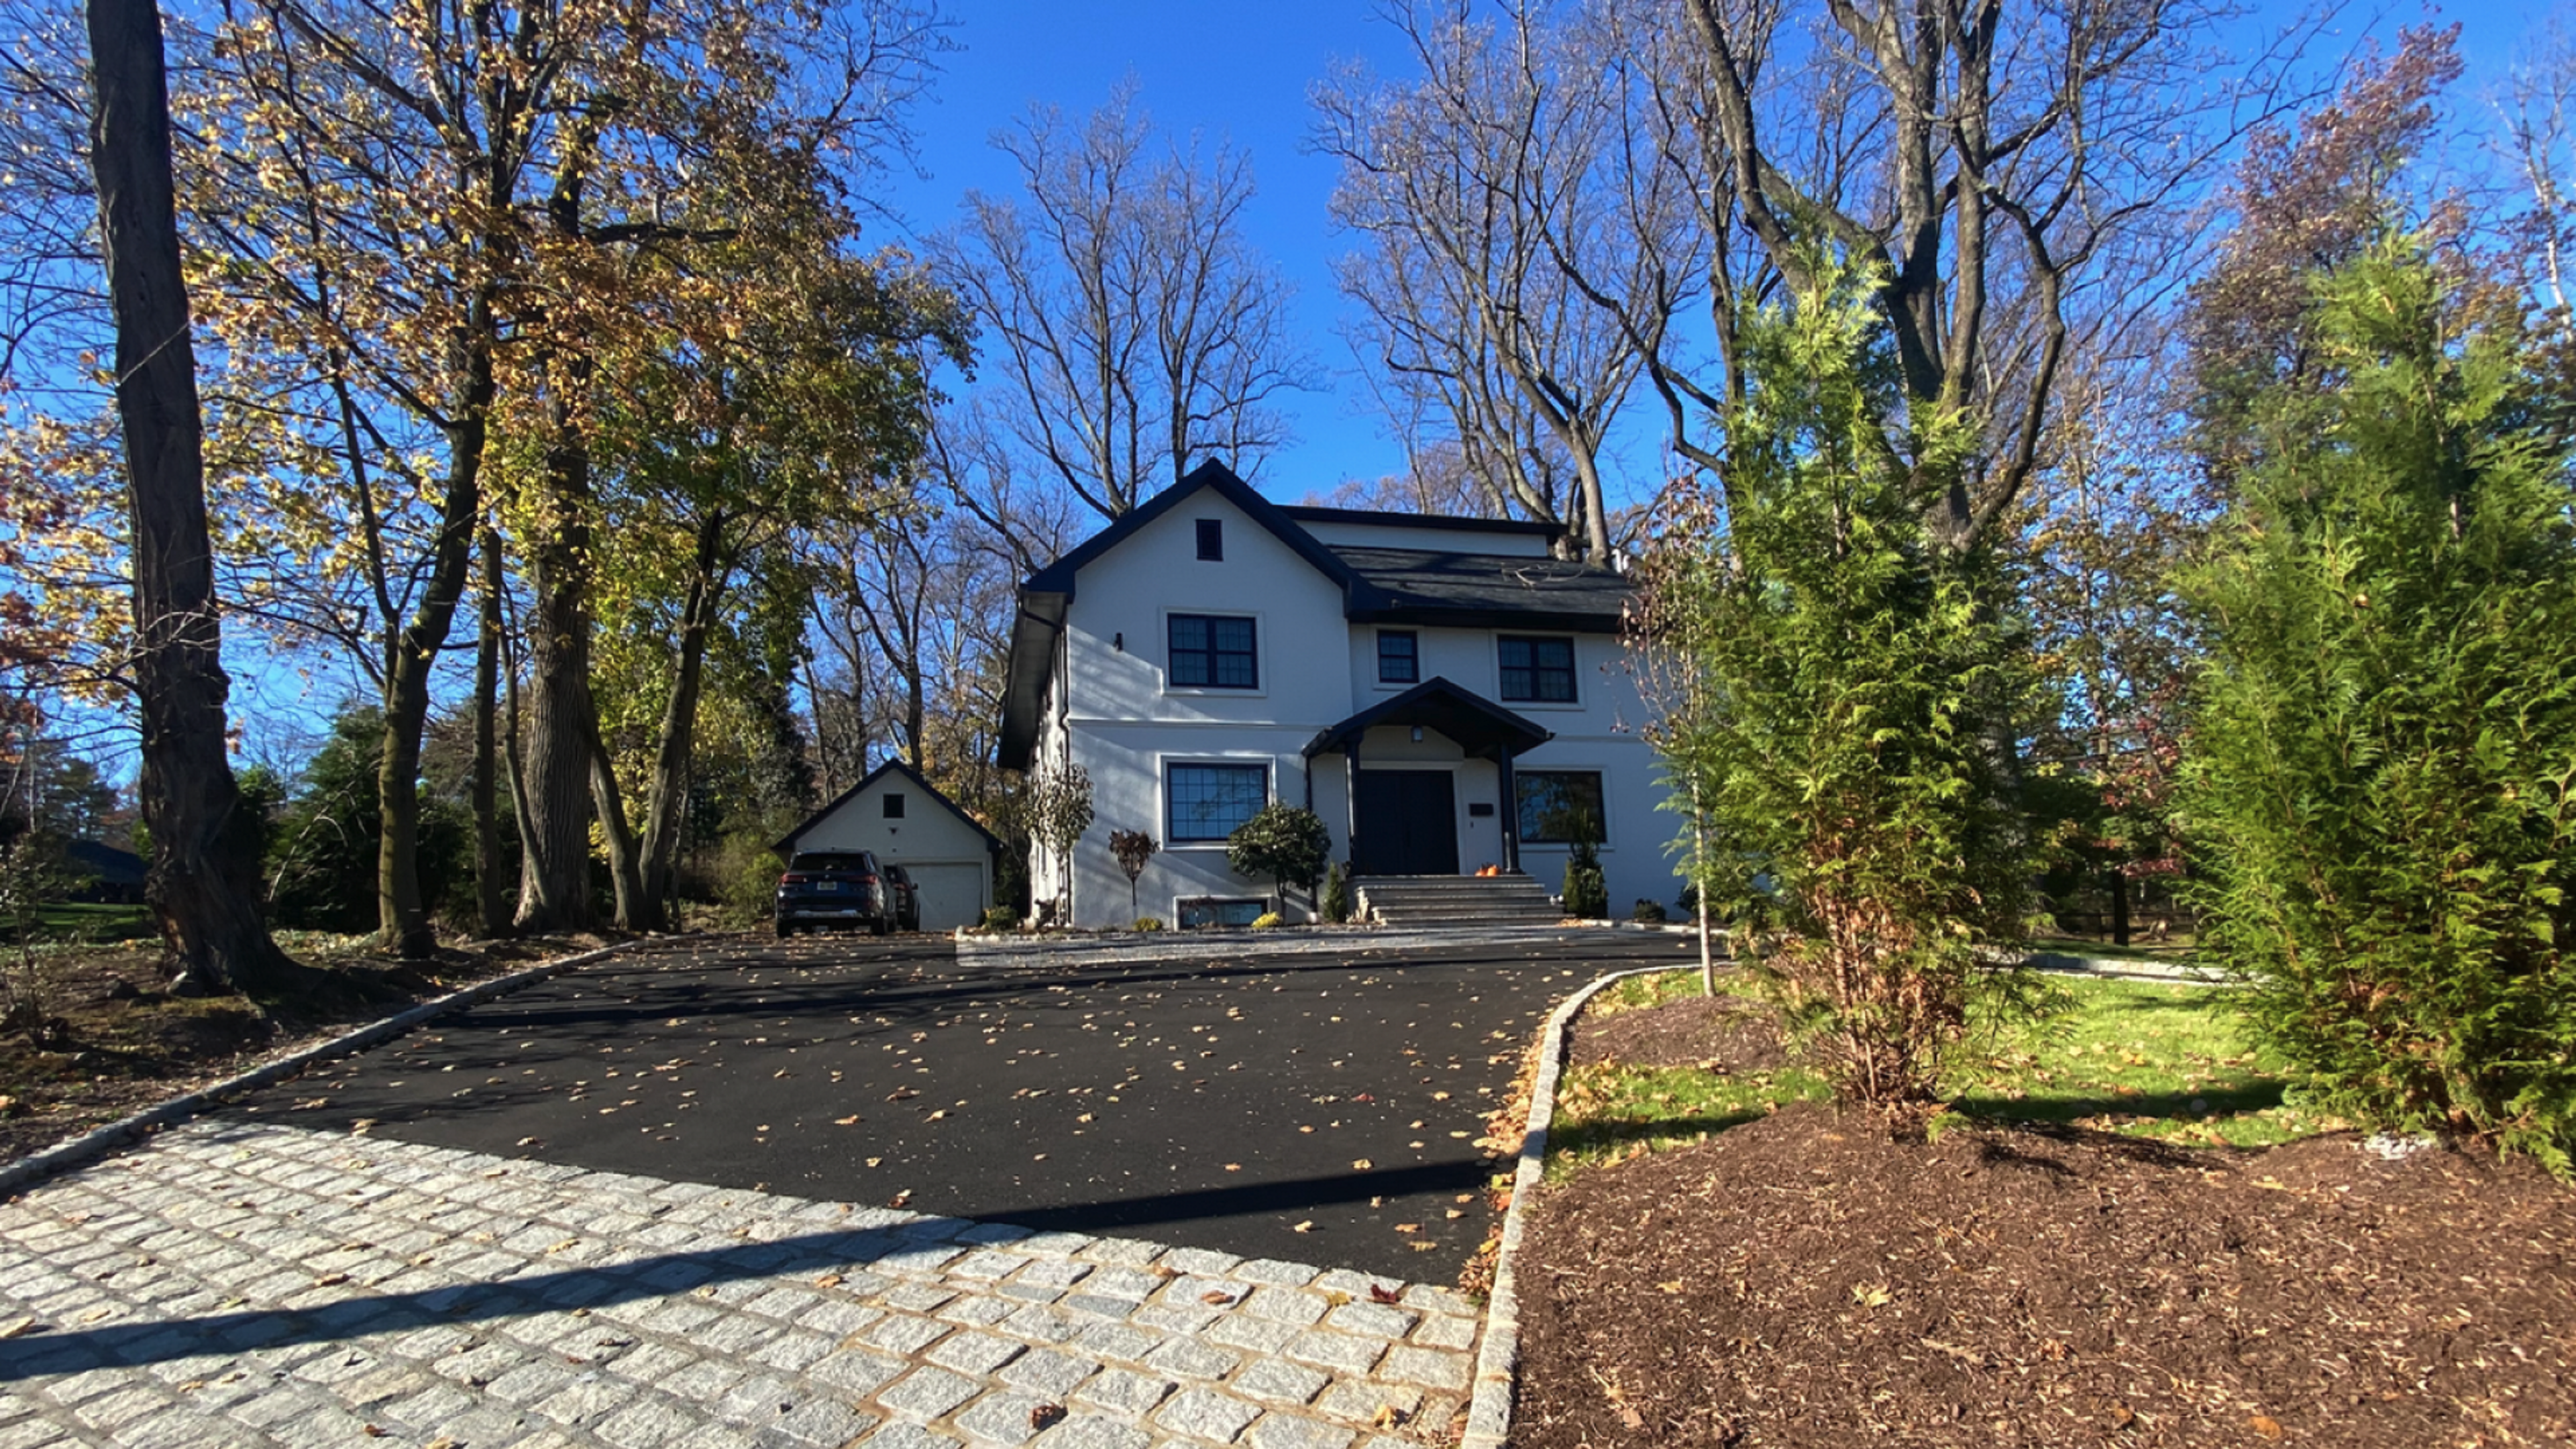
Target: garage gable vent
pixel 893 806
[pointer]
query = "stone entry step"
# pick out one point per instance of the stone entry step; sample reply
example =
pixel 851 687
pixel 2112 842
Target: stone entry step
pixel 1454 900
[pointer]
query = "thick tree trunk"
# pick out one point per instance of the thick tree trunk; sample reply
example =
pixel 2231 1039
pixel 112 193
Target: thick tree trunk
pixel 203 884
pixel 680 715
pixel 402 921
pixel 554 875
pixel 492 903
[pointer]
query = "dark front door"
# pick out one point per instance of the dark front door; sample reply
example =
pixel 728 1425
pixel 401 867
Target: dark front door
pixel 1408 823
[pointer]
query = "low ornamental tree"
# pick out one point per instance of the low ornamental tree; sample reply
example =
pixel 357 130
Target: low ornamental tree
pixel 1133 848
pixel 1056 808
pixel 1837 687
pixel 1287 843
pixel 2377 778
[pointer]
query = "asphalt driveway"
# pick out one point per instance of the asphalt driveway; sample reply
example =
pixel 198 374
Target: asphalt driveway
pixel 1313 1108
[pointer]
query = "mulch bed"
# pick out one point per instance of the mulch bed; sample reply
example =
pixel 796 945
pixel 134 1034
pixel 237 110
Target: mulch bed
pixel 1722 1032
pixel 122 1044
pixel 1809 1280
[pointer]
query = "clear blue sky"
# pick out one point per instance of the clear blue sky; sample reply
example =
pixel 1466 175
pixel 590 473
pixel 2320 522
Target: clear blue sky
pixel 1231 72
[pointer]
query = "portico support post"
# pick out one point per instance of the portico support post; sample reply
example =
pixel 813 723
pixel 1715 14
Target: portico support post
pixel 1351 800
pixel 1508 809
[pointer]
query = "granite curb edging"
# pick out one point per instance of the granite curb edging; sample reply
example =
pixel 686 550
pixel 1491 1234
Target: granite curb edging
pixel 1111 948
pixel 98 1141
pixel 1489 1412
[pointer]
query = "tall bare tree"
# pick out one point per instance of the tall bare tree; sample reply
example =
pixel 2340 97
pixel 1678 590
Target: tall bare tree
pixel 204 892
pixel 1130 330
pixel 1983 159
pixel 1523 246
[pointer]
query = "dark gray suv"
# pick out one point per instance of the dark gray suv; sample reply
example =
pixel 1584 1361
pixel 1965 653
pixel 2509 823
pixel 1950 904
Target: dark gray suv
pixel 834 888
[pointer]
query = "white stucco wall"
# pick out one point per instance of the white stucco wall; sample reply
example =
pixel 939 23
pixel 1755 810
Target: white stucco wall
pixel 1124 724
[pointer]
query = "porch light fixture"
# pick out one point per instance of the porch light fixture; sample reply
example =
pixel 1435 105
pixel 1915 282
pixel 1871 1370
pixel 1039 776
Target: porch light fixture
pixel 1417 734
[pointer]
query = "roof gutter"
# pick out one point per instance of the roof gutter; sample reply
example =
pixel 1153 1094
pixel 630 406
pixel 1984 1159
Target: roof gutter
pixel 1033 649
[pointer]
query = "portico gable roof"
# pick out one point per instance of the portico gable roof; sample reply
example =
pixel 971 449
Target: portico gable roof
pixel 1481 727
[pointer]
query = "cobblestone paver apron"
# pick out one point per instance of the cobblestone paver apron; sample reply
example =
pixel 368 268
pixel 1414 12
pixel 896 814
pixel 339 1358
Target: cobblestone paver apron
pixel 240 1284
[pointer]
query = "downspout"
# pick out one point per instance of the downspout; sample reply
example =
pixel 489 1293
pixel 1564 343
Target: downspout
pixel 1064 727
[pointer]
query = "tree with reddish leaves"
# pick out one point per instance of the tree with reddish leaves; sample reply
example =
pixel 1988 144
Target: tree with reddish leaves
pixel 2307 199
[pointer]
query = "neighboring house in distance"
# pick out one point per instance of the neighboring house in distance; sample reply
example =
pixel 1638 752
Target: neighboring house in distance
pixel 112 876
pixel 907 822
pixel 1442 692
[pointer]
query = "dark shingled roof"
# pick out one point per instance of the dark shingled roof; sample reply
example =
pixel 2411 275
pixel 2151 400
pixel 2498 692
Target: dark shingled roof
pixel 1424 586
pixel 1379 586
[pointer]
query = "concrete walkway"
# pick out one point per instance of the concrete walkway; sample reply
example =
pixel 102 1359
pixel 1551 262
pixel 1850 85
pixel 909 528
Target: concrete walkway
pixel 245 1283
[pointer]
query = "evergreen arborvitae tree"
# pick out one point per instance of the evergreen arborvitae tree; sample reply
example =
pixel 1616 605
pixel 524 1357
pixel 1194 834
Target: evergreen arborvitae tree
pixel 2381 775
pixel 1842 686
pixel 1587 891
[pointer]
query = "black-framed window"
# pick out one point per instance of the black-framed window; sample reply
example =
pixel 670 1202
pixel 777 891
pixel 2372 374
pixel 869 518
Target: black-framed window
pixel 1559 807
pixel 1202 912
pixel 1214 651
pixel 1206 802
pixel 1537 669
pixel 1399 657
pixel 894 807
pixel 1212 539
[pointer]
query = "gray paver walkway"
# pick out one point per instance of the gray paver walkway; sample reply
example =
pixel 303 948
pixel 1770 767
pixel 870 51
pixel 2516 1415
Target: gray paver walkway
pixel 251 1284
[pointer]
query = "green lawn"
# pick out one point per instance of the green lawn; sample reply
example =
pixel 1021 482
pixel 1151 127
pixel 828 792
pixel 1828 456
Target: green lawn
pixel 75 921
pixel 2149 1060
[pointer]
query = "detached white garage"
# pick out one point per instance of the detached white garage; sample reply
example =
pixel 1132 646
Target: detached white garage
pixel 907 822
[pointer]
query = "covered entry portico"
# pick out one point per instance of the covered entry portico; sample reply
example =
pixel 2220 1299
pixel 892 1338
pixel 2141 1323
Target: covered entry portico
pixel 1404 820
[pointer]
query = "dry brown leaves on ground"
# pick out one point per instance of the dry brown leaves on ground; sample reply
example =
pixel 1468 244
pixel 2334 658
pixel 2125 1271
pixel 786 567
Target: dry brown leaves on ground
pixel 1807 1280
pixel 126 1045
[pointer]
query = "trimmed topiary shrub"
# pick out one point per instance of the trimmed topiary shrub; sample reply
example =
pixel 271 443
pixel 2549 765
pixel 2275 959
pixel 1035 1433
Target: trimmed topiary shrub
pixel 1286 843
pixel 1337 894
pixel 1000 918
pixel 1148 923
pixel 1587 894
pixel 1649 912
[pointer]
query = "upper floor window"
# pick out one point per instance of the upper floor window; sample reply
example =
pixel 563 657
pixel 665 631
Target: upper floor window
pixel 1399 657
pixel 893 807
pixel 1212 538
pixel 1213 651
pixel 1536 669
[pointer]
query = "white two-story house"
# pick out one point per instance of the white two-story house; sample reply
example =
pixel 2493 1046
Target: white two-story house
pixel 1442 692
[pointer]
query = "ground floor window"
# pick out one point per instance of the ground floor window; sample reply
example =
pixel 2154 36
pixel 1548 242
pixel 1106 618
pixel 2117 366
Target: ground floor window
pixel 1214 911
pixel 1559 807
pixel 1206 802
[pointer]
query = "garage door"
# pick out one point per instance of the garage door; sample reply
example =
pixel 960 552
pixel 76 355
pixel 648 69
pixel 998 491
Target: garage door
pixel 952 894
